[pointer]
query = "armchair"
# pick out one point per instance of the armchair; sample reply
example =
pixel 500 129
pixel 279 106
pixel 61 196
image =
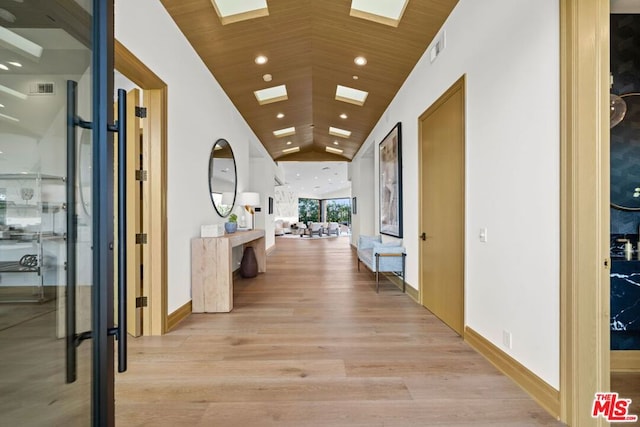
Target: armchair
pixel 333 228
pixel 315 228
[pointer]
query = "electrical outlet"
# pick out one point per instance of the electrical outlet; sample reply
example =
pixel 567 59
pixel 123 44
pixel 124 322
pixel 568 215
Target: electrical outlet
pixel 483 235
pixel 506 339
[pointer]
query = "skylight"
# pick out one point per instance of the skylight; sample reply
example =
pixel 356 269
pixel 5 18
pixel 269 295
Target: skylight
pixel 271 94
pixel 230 11
pixel 334 150
pixel 339 132
pixel 291 150
pixel 284 132
pixel 387 12
pixel 350 95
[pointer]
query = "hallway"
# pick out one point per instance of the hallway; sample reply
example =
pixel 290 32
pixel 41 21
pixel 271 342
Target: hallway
pixel 310 343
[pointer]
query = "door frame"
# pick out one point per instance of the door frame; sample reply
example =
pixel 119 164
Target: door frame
pixel 459 84
pixel 155 129
pixel 584 208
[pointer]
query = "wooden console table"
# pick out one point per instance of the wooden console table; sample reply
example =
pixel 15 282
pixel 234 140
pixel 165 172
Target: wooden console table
pixel 212 272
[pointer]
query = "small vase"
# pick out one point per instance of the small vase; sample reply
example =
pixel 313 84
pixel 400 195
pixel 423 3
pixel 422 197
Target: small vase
pixel 230 227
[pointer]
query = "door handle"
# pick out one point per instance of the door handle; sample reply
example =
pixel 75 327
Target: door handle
pixel 72 222
pixel 423 236
pixel 121 128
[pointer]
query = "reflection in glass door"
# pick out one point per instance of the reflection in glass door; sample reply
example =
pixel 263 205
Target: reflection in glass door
pixel 50 371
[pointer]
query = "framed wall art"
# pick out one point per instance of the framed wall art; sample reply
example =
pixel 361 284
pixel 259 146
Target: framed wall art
pixel 390 180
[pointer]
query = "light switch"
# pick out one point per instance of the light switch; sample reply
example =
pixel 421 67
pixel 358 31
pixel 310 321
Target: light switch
pixel 483 235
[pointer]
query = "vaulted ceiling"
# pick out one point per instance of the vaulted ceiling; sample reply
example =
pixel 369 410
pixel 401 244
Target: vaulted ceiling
pixel 310 47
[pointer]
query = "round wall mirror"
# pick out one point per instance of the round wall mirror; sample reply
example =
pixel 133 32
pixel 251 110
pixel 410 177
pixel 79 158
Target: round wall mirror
pixel 625 152
pixel 222 177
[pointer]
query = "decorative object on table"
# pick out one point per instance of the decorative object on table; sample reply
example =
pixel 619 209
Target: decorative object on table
pixel 249 263
pixel 390 180
pixel 232 224
pixel 222 177
pixel 250 201
pixel 212 230
pixel 26 194
pixel 354 206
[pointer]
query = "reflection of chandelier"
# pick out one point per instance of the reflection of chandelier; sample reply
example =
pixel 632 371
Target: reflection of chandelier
pixel 617 108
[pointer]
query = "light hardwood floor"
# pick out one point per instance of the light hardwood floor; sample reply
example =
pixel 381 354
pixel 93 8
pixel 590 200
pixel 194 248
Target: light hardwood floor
pixel 310 343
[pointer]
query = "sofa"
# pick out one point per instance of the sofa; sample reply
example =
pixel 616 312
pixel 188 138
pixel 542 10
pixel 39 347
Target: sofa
pixel 282 227
pixel 382 257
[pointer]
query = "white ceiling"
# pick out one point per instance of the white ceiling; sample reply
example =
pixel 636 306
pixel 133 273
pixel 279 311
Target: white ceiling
pixel 316 179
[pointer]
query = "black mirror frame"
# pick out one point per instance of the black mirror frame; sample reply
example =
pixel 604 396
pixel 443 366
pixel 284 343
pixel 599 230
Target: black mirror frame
pixel 235 174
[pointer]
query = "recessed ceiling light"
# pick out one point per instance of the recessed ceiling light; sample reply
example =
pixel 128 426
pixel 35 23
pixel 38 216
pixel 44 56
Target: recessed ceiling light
pixel 267 77
pixel 1 105
pixel 4 67
pixel 351 95
pixel 388 12
pixel 284 132
pixel 13 119
pixel 297 174
pixel 336 143
pixel 315 177
pixel 15 64
pixel 20 42
pixel 289 142
pixel 230 11
pixel 12 92
pixel 360 60
pixel 271 94
pixel 343 116
pixel 291 150
pixel 280 115
pixel 339 132
pixel 261 59
pixel 355 77
pixel 334 150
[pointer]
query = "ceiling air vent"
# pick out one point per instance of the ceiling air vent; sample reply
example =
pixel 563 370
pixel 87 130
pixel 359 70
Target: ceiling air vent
pixel 44 88
pixel 438 47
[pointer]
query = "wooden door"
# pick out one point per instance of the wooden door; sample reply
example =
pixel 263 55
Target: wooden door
pixel 442 154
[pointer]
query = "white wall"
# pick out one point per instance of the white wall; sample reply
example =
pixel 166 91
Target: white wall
pixel 199 113
pixel 509 52
pixel 263 174
pixel 363 188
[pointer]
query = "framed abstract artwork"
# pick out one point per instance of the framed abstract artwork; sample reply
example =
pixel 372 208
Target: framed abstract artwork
pixel 390 182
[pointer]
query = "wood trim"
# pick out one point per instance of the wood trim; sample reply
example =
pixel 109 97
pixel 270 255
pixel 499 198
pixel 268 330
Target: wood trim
pixel 129 65
pixel 178 316
pixel 584 208
pixel 625 361
pixel 547 396
pixel 155 95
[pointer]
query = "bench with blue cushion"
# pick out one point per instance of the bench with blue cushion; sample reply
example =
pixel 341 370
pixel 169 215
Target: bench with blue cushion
pixel 382 257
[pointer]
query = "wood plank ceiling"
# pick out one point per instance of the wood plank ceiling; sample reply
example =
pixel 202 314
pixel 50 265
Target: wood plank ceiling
pixel 310 46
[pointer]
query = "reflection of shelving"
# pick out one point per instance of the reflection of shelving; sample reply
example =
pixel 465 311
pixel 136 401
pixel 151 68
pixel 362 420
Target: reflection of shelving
pixel 32 234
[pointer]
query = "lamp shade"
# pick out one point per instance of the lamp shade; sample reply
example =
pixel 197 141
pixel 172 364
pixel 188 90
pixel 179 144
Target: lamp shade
pixel 250 199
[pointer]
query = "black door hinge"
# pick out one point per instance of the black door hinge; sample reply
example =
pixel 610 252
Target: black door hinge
pixel 141 112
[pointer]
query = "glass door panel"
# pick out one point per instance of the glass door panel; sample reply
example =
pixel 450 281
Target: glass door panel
pixel 45 378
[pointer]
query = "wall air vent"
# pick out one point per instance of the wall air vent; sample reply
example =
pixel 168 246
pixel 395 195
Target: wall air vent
pixel 44 88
